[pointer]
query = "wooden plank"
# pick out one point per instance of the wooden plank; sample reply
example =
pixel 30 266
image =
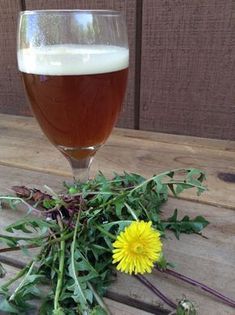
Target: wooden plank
pixel 204 143
pixel 126 119
pixel 12 99
pixel 188 74
pixel 209 260
pixel 23 145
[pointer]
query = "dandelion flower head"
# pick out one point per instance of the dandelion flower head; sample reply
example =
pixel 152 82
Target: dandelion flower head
pixel 137 248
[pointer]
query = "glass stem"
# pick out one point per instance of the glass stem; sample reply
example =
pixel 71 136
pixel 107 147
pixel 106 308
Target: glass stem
pixel 80 168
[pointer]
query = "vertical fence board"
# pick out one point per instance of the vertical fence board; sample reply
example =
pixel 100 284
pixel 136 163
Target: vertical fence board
pixel 126 119
pixel 12 99
pixel 188 67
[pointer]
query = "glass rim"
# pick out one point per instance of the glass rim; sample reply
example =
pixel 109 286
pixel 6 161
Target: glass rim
pixel 64 11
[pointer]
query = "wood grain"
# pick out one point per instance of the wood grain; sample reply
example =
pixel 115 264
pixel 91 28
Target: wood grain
pixel 126 119
pixel 12 99
pixel 188 68
pixel 209 260
pixel 23 145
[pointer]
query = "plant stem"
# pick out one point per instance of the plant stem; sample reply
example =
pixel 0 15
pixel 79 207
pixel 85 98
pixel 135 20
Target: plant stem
pixel 61 267
pixel 19 275
pixel 64 237
pixel 19 238
pixel 94 193
pixel 132 212
pixel 152 178
pixel 145 211
pixel 59 239
pixel 83 300
pixel 98 298
pixel 166 183
pixel 12 249
pixel 31 265
pixel 105 232
pixel 31 208
pixel 156 291
pixel 142 184
pixel 200 285
pixel 183 182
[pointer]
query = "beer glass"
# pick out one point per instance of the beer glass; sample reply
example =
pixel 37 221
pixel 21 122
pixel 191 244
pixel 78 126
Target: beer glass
pixel 74 65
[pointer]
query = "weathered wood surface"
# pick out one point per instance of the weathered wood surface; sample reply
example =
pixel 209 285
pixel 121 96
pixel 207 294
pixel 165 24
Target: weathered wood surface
pixel 135 151
pixel 27 158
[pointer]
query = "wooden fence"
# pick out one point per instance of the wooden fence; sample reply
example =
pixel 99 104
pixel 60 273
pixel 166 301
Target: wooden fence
pixel 182 65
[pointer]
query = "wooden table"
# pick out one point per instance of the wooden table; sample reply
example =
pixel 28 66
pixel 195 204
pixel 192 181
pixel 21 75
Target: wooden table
pixel 27 158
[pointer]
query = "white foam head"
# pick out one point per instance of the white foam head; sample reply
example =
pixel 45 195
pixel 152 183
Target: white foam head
pixel 72 59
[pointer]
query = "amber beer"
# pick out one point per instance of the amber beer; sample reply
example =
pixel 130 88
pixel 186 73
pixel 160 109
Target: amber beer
pixel 76 92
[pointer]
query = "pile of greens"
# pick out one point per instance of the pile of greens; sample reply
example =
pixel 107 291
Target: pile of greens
pixel 74 233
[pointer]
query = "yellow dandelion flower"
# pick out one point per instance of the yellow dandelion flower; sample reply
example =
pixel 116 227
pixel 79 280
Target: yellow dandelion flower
pixel 137 248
